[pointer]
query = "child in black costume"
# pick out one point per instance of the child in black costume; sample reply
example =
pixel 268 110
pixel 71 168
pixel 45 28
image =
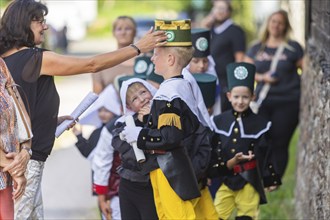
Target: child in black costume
pixel 241 152
pixel 135 191
pixel 174 118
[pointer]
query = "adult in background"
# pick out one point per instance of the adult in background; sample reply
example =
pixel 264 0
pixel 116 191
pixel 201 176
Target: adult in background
pixel 281 105
pixel 22 27
pixel 124 30
pixel 227 43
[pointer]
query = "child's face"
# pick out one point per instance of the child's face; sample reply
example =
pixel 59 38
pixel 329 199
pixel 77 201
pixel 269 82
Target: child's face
pixel 198 65
pixel 240 98
pixel 137 97
pixel 105 115
pixel 159 60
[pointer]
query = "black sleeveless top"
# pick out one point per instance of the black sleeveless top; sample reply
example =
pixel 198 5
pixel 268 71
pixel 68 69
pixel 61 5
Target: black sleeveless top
pixel 42 97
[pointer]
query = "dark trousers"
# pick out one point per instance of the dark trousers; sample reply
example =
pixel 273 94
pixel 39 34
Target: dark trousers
pixel 284 118
pixel 136 200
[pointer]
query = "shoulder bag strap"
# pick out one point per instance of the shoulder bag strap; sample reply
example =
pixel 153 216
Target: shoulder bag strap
pixel 13 92
pixel 264 90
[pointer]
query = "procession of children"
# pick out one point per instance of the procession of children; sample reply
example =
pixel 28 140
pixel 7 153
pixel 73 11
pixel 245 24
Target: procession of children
pixel 164 147
pixel 184 144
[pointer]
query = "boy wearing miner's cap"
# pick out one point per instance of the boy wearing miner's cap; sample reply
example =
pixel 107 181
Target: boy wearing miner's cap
pixel 241 155
pixel 202 62
pixel 174 118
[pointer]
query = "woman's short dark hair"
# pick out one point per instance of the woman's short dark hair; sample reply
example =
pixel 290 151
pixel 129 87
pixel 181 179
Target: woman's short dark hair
pixel 15 31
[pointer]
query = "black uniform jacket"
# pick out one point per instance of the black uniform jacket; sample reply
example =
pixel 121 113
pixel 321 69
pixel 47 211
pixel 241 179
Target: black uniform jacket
pixel 170 124
pixel 235 134
pixel 130 169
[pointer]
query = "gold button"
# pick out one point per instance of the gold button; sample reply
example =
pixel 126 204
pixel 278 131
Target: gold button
pixel 219 158
pixel 232 150
pixel 143 138
pixel 222 163
pixel 151 139
pixel 235 113
pixel 150 122
pixel 219 150
pixel 273 174
pixel 237 119
pixel 158 139
pixel 168 105
pixel 219 142
pixel 252 144
pixel 270 166
pixel 234 140
pixel 236 130
pixel 275 182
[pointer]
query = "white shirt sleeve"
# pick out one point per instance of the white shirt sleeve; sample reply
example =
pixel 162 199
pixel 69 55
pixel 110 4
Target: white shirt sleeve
pixel 103 157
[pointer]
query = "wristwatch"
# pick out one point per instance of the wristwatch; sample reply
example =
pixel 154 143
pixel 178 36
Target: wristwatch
pixel 27 149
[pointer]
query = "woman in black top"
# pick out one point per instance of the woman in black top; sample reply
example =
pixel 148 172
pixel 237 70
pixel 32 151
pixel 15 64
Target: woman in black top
pixel 22 28
pixel 281 105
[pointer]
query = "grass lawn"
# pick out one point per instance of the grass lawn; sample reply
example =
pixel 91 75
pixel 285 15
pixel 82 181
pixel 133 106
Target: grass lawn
pixel 281 202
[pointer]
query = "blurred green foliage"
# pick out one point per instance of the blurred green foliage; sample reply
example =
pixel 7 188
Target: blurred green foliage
pixel 3 3
pixel 109 10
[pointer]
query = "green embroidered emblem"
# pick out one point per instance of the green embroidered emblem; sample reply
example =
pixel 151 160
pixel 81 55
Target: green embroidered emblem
pixel 170 36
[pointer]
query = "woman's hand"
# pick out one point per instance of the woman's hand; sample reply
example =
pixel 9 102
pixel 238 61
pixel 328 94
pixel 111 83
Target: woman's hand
pixel 151 40
pixel 18 166
pixel 19 186
pixel 208 21
pixel 267 77
pixel 66 117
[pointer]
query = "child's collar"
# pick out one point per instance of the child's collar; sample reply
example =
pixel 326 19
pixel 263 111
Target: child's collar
pixel 242 114
pixel 178 76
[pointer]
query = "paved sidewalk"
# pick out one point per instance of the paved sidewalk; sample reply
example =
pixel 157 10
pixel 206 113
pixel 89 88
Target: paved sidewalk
pixel 66 186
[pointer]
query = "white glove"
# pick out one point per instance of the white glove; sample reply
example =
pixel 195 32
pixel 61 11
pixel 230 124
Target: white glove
pixel 130 134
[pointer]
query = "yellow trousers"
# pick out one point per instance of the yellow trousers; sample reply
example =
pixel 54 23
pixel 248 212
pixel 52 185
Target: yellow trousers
pixel 168 204
pixel 203 206
pixel 245 200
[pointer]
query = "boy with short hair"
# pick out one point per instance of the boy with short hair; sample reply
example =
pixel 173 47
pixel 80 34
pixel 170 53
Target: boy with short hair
pixel 135 191
pixel 241 152
pixel 174 118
